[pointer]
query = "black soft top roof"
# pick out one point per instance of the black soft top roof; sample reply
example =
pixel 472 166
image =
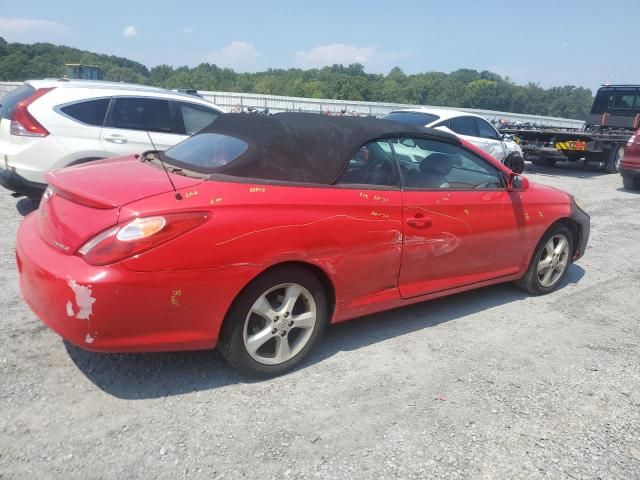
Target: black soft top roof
pixel 305 147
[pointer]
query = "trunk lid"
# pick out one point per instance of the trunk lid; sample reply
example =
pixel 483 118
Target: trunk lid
pixel 86 199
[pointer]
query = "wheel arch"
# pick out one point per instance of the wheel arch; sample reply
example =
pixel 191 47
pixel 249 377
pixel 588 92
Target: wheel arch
pixel 316 270
pixel 321 274
pixel 529 281
pixel 572 225
pixel 80 161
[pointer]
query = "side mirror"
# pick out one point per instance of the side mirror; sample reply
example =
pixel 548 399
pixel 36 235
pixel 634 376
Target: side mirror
pixel 517 183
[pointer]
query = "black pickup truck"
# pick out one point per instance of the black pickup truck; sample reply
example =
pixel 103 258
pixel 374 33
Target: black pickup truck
pixel 614 117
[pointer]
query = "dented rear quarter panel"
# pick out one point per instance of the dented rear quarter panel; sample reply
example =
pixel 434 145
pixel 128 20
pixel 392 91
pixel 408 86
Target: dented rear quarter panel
pixel 353 234
pixel 111 308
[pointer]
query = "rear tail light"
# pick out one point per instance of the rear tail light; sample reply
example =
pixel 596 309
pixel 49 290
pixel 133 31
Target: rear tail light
pixel 136 236
pixel 22 122
pixel 633 139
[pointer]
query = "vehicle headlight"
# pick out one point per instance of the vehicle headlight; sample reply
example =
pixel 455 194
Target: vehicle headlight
pixel 580 204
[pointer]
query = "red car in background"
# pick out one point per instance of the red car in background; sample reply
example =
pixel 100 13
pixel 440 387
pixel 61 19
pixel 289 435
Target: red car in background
pixel 257 232
pixel 630 163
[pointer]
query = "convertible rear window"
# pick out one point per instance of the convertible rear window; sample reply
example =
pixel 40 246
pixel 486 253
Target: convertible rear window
pixel 412 118
pixel 206 152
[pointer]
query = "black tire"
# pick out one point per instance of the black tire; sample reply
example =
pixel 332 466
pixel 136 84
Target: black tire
pixel 232 343
pixel 612 164
pixel 530 281
pixel 573 157
pixel 545 162
pixel 630 183
pixel 515 162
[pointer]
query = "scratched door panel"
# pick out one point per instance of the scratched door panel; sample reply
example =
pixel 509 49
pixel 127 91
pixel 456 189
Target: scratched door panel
pixel 459 243
pixel 353 234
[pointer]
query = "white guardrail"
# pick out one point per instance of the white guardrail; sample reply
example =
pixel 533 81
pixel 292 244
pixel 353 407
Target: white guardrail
pixel 276 103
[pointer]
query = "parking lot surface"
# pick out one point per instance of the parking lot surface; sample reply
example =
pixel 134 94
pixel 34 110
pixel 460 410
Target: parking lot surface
pixel 487 384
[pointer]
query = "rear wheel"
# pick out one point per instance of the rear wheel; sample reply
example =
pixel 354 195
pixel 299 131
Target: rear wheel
pixel 550 262
pixel 630 183
pixel 274 322
pixel 614 158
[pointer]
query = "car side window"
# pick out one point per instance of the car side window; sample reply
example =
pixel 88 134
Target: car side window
pixel 150 114
pixel 624 101
pixel 196 117
pixel 431 165
pixel 464 126
pixel 373 164
pixel 485 130
pixel 90 112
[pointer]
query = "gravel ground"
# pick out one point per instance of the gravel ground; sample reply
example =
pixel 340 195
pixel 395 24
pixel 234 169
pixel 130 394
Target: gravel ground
pixel 487 384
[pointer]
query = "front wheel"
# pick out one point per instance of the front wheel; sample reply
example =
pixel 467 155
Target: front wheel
pixel 274 322
pixel 515 162
pixel 550 262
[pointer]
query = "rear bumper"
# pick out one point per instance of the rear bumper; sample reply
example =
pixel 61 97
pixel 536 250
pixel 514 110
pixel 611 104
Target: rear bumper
pixel 18 184
pixel 114 309
pixel 583 221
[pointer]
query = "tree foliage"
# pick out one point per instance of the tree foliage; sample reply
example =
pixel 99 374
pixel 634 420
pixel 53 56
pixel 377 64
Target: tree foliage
pixel 461 88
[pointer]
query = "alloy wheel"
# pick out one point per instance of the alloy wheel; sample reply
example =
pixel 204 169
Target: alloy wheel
pixel 553 260
pixel 279 324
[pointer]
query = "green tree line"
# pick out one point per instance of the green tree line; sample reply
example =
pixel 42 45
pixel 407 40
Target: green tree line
pixel 461 88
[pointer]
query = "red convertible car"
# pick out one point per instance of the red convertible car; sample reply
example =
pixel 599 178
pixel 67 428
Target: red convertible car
pixel 257 232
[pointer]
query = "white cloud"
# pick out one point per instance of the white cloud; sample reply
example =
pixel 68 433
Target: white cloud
pixel 130 31
pixel 341 53
pixel 24 25
pixel 238 55
pixel 334 53
pixel 187 30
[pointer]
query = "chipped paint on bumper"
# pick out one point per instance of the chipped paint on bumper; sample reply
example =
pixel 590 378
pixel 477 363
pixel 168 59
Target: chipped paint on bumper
pixel 114 309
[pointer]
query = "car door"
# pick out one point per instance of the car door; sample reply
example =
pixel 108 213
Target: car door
pixel 492 139
pixel 136 124
pixel 193 117
pixel 461 225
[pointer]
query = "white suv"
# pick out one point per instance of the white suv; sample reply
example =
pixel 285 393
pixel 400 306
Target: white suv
pixel 50 124
pixel 473 128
